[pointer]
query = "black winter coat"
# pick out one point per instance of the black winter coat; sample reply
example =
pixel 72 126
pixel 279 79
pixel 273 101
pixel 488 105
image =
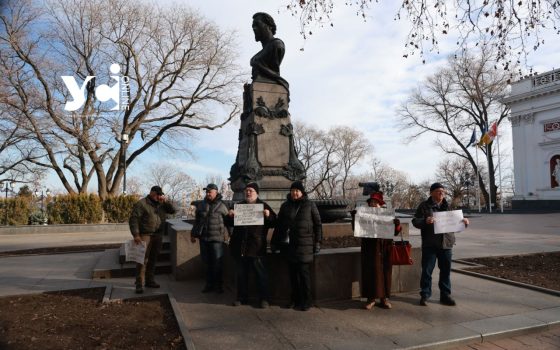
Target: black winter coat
pixel 429 238
pixel 209 225
pixel 303 221
pixel 250 241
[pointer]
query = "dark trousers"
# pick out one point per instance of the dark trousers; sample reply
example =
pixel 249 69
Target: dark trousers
pixel 243 267
pixel 429 256
pixel 212 254
pixel 300 279
pixel 145 272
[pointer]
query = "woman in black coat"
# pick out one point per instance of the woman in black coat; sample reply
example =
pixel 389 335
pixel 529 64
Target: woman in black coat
pixel 299 219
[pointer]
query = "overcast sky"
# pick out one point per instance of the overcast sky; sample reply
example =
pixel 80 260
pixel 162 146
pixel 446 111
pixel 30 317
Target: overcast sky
pixel 353 74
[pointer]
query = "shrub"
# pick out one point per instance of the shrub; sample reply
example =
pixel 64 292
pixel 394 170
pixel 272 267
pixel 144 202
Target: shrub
pixel 75 209
pixel 118 209
pixel 18 209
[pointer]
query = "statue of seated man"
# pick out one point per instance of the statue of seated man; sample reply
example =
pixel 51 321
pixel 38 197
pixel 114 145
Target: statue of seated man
pixel 266 63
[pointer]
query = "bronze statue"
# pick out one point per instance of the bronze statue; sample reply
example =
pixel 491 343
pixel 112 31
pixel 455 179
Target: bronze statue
pixel 266 63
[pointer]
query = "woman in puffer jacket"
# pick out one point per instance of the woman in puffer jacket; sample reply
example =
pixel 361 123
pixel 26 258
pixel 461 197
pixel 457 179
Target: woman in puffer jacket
pixel 299 220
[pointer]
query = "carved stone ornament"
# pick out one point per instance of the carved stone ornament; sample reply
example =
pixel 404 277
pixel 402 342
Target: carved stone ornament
pixel 255 129
pixel 528 118
pixel 279 110
pixel 287 130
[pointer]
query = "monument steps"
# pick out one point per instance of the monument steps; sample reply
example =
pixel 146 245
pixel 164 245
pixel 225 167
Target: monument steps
pixel 112 264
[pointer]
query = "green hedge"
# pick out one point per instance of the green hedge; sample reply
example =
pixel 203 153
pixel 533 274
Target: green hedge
pixel 67 209
pixel 19 209
pixel 118 209
pixel 75 209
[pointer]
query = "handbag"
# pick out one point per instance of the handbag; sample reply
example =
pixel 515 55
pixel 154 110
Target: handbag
pixel 400 254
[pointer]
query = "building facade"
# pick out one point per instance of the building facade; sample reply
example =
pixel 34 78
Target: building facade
pixel 535 119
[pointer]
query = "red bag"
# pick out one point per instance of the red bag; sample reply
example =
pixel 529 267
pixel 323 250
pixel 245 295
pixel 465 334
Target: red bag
pixel 400 254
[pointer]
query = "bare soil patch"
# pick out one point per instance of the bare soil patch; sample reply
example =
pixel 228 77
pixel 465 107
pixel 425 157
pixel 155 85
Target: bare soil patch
pixel 77 319
pixel 541 269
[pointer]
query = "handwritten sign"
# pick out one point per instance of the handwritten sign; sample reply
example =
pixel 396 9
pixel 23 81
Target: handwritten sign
pixel 248 214
pixel 448 221
pixel 135 252
pixel 374 222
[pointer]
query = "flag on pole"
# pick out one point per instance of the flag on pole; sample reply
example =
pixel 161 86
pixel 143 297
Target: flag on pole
pixel 473 138
pixel 489 136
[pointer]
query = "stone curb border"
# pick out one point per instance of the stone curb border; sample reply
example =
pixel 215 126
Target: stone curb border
pixel 503 280
pixel 189 344
pixel 181 322
pixel 482 337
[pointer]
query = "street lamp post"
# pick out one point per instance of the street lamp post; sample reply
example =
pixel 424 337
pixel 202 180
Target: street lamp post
pixel 467 182
pixel 44 193
pixel 6 186
pixel 124 141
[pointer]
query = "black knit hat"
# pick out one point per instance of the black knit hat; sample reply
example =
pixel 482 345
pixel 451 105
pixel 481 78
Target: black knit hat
pixel 435 186
pixel 298 185
pixel 157 190
pixel 254 186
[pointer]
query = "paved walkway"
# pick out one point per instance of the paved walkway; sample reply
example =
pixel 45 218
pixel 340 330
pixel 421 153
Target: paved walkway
pixel 486 310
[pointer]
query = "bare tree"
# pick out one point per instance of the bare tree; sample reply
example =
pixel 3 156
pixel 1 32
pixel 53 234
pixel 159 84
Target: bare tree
pixel 316 150
pixel 329 157
pixel 512 27
pixel 452 173
pixel 176 184
pixel 455 101
pixel 351 147
pixel 175 70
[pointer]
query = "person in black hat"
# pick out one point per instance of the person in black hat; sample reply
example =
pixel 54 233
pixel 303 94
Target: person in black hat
pixel 147 223
pixel 248 247
pixel 209 228
pixel 435 246
pixel 299 220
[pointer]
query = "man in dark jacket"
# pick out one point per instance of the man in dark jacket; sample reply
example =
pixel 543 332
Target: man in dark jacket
pixel 248 247
pixel 435 246
pixel 209 228
pixel 147 224
pixel 300 220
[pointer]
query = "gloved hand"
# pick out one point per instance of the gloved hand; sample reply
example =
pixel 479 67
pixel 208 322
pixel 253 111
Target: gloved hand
pixel 398 227
pixel 317 248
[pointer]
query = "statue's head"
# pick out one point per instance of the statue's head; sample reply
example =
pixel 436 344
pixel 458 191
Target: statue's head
pixel 263 26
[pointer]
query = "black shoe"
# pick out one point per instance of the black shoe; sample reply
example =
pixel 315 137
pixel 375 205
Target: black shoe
pixel 264 304
pixel 423 301
pixel 447 300
pixel 305 308
pixel 152 284
pixel 290 305
pixel 219 290
pixel 139 290
pixel 207 289
pixel 236 303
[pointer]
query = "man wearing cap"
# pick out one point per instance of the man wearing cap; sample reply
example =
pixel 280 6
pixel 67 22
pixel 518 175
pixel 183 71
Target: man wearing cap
pixel 209 228
pixel 435 246
pixel 248 247
pixel 147 223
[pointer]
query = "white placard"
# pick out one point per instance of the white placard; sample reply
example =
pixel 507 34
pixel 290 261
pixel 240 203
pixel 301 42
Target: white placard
pixel 448 221
pixel 248 214
pixel 374 222
pixel 135 252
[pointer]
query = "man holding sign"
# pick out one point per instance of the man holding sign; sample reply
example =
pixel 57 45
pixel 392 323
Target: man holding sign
pixel 251 219
pixel 436 244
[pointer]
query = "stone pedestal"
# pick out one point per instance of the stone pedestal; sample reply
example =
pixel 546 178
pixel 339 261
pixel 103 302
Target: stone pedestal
pixel 266 152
